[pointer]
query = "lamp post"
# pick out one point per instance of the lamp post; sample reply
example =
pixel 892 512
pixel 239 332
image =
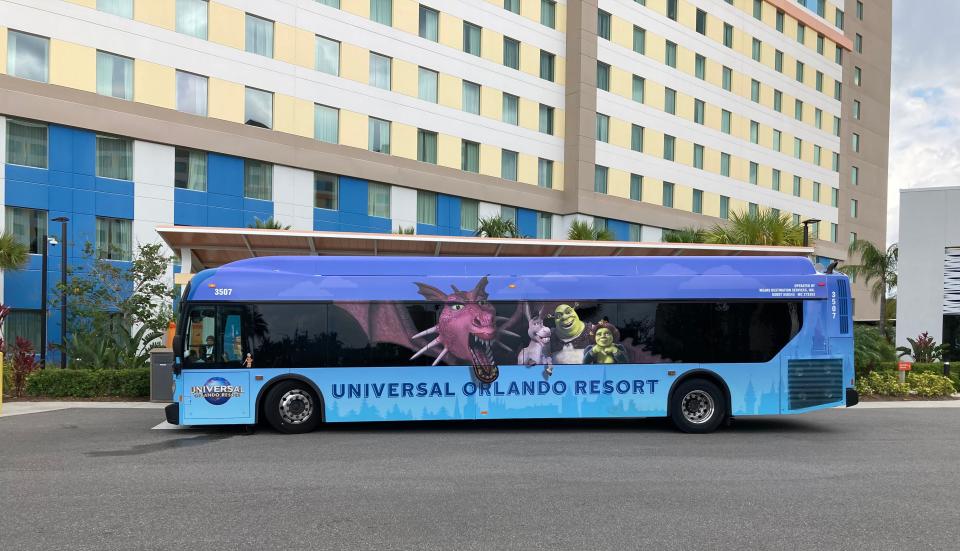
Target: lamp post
pixel 63 290
pixel 806 230
pixel 47 242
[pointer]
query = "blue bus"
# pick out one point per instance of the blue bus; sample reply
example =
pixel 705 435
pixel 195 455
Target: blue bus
pixel 299 341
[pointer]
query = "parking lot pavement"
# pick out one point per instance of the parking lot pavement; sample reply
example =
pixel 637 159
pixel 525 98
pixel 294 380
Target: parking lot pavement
pixel 101 479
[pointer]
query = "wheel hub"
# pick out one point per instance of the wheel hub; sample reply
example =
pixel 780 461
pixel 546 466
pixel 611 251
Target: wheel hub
pixel 697 407
pixel 296 406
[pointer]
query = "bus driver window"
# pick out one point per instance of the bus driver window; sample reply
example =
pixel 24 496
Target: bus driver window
pixel 200 341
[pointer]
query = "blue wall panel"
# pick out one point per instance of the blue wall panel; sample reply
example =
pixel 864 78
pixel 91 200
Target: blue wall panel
pixel 223 203
pixel 620 230
pixel 527 222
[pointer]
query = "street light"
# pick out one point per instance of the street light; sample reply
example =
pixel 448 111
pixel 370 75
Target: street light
pixel 47 242
pixel 806 230
pixel 63 289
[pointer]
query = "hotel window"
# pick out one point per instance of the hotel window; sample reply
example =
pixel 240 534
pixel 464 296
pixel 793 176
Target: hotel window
pixel 700 67
pixel 633 232
pixel 801 33
pixel 754 173
pixel 508 213
pixel 672 9
pixel 779 20
pixel 724 207
pixel 191 93
pixel 600 174
pixel 114 238
pixel 857 76
pixel 854 175
pixel 818 118
pixel 471 97
pixel 838 55
pixel 778 61
pixel 548 65
pixel 381 11
pixel 114 157
pixel 701 21
pixel 259 35
pixel 670 101
pixel 836 162
pixel 753 209
pixel 834 196
pixel 818 81
pixel 725 121
pixel 698 201
pixel 799 71
pixel 545 173
pixel 856 109
pixel 258 107
pixel 698 156
pixel 190 169
pixel 859 10
pixel 668 194
pixel 326 124
pixel 636 187
pixel 511 109
pixel 426 146
pixel 757 49
pixel 114 75
pixel 328 56
pixel 26 143
pixel 858 43
pixel 728 79
pixel 670 55
pixel 469 156
pixel 603 127
pixel 639 88
pixel 796 219
pixel 511 53
pixel 797 148
pixel 471 38
pixel 123 8
pixel 817 153
pixel 508 165
pixel 699 110
pixel 331 3
pixel 754 132
pixel 798 110
pixel 326 188
pixel 669 147
pixel 837 90
pixel 854 208
pixel 378 200
pixel 429 23
pixel 636 137
pixel 820 43
pixel 728 35
pixel 775 179
pixel 427 84
pixel 755 90
pixel 603 76
pixel 380 71
pixel 512 5
pixel 469 214
pixel 778 101
pixel 192 17
pixel 758 9
pixel 839 19
pixel 816 192
pixel 603 24
pixel 379 135
pixel 855 142
pixel 257 180
pixel 28 56
pixel 546 119
pixel 796 186
pixel 544 225
pixel 836 126
pixel 833 232
pixel 853 236
pixel 639 40
pixel 426 207
pixel 725 164
pixel 28 227
pixel 548 13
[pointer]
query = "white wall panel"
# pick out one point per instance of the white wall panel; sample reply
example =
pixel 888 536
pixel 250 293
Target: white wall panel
pixel 153 176
pixel 293 197
pixel 487 210
pixel 651 234
pixel 403 208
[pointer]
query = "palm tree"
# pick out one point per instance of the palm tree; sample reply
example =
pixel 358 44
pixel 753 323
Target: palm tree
pixel 408 230
pixel 497 226
pixel 581 231
pixel 685 235
pixel 878 268
pixel 268 224
pixel 766 227
pixel 13 253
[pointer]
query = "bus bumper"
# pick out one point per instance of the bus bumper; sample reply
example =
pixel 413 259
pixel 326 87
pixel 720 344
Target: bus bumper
pixel 853 398
pixel 173 413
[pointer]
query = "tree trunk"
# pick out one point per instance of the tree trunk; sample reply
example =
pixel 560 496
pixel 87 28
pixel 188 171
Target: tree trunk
pixel 883 316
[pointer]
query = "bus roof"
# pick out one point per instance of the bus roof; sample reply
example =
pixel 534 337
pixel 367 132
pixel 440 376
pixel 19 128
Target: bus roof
pixel 306 278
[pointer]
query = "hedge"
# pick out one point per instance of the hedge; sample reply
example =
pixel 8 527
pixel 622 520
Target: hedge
pixel 89 383
pixel 887 383
pixel 935 368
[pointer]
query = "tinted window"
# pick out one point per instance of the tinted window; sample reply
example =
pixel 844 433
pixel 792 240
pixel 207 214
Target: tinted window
pixel 289 335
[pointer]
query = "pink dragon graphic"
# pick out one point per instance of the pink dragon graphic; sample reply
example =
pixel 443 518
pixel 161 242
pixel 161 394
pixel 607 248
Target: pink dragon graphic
pixel 466 329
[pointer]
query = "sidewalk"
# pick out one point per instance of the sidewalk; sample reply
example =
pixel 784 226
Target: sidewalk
pixel 22 408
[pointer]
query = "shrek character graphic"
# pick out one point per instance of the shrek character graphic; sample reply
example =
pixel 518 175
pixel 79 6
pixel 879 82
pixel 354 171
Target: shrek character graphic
pixel 606 350
pixel 571 336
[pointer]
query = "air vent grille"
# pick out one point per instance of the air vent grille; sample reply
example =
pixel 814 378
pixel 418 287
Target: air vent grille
pixel 814 382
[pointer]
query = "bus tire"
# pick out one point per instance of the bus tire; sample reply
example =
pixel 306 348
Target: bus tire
pixel 292 407
pixel 697 406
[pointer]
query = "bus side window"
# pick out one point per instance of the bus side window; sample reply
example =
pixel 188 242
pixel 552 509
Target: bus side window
pixel 200 337
pixel 233 343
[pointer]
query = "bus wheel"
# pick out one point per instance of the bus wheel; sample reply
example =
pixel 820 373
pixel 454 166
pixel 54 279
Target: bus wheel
pixel 292 407
pixel 697 406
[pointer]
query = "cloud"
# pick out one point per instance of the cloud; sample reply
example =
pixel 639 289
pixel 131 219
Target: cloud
pixel 924 101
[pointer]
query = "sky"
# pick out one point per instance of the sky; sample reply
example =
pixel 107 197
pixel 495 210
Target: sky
pixel 924 100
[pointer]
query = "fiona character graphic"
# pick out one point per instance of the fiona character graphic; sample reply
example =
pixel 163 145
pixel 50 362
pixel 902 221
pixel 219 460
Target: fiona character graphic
pixel 606 350
pixel 570 336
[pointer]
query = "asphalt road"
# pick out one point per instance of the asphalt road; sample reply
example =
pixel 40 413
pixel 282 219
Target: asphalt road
pixel 100 479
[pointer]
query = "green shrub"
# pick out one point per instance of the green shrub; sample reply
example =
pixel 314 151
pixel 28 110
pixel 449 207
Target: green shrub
pixel 930 384
pixel 881 383
pixel 89 383
pixel 919 383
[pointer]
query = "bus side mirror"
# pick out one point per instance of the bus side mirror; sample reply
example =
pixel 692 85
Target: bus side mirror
pixel 177 352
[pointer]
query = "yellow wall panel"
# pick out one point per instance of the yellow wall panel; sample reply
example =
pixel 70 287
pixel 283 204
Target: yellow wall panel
pixel 684 153
pixel 715 28
pixel 529 116
pixel 618 183
pixel 406 16
pixel 85 3
pixel 711 160
pixel 353 129
pixel 653 94
pixel 561 17
pixel 684 106
pixel 659 6
pixel 619 133
pixel 3 50
pixel 714 73
pixel 226 100
pixel 712 117
pixel 530 59
pixel 621 82
pixel 451 31
pixel 687 15
pixel 528 9
pixel 653 142
pixel 161 13
pixel 403 140
pixel 71 65
pixel 739 169
pixel 711 204
pixel 303 118
pixel 491 46
pixel 683 198
pixel 656 47
pixel 354 63
pixel 356 7
pixel 448 151
pixel 621 32
pixel 560 71
pixel 154 84
pixel 226 25
pixel 737 205
pixel 558 127
pixel 489 160
pixel 284 43
pixel 305 48
pixel 557 172
pixel 527 169
pixel 491 103
pixel 449 91
pixel 283 113
pixel 405 77
pixel 653 191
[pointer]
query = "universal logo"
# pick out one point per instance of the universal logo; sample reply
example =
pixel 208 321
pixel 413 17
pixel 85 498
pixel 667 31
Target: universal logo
pixel 217 391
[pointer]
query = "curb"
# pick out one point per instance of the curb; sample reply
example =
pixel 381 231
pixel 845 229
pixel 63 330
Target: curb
pixel 11 409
